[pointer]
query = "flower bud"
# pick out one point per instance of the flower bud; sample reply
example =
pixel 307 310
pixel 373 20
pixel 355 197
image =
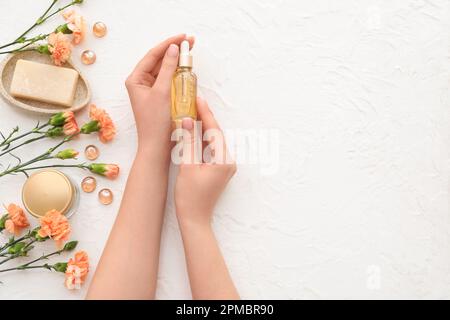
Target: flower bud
pixel 92 126
pixel 110 171
pixel 67 121
pixel 64 28
pixel 60 267
pixel 67 154
pixel 58 119
pixel 55 132
pixel 43 49
pixel 98 168
pixel 2 222
pixel 69 246
pixel 78 1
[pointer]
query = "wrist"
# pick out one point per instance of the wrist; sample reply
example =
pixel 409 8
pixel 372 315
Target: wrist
pixel 153 150
pixel 187 222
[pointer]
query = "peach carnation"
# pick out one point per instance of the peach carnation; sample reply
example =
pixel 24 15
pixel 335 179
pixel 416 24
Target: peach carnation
pixel 16 219
pixel 70 124
pixel 77 270
pixel 55 226
pixel 76 24
pixel 107 130
pixel 112 171
pixel 59 47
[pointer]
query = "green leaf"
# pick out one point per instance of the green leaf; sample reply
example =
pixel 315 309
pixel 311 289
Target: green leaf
pixel 69 246
pixel 91 126
pixel 55 132
pixel 17 248
pixel 35 234
pixel 60 267
pixel 2 221
pixel 64 28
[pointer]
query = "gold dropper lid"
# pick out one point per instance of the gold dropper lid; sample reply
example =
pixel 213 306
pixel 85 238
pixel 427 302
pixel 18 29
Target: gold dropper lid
pixel 47 190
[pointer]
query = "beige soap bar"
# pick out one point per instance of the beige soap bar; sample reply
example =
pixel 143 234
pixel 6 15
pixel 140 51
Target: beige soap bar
pixel 43 82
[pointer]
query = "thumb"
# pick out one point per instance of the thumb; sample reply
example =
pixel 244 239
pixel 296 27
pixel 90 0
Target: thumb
pixel 168 67
pixel 190 144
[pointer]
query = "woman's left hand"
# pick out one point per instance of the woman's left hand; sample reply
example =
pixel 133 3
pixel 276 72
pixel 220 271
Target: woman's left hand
pixel 149 87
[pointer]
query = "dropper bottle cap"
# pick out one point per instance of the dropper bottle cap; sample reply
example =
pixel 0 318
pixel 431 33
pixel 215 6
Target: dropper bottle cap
pixel 185 55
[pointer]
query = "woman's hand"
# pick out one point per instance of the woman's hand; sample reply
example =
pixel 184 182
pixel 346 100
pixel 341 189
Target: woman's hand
pixel 128 268
pixel 149 88
pixel 199 186
pixel 197 189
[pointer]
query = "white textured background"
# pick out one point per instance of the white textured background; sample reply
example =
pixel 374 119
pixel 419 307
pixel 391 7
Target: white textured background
pixel 359 91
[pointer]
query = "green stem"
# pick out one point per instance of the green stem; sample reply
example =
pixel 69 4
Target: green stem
pixel 16 42
pixel 30 243
pixel 22 144
pixel 7 139
pixel 27 265
pixel 10 244
pixel 16 255
pixel 42 258
pixel 35 130
pixel 45 156
pixel 81 166
pixel 44 266
pixel 7 259
pixel 44 17
pixel 23 48
pixel 39 21
pixel 59 10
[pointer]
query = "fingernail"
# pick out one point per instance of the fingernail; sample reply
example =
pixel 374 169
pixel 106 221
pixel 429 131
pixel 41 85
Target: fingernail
pixel 187 124
pixel 173 50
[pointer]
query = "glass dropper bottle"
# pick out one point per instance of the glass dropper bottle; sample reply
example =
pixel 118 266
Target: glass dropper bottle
pixel 184 87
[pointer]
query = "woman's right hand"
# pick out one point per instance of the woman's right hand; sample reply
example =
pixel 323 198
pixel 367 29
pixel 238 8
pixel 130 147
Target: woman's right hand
pixel 199 185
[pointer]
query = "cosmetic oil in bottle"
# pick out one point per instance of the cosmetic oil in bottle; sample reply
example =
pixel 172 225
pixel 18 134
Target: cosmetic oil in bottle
pixel 184 87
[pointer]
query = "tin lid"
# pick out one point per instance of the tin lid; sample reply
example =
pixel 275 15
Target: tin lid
pixel 47 190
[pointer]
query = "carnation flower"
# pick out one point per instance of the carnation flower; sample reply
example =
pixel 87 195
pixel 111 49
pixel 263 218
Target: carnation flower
pixel 15 221
pixel 55 226
pixel 110 171
pixel 77 270
pixel 67 121
pixel 59 47
pixel 100 122
pixel 76 24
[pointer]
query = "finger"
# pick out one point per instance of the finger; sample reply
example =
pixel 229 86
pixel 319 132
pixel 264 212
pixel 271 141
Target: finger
pixel 205 115
pixel 215 150
pixel 157 67
pixel 168 67
pixel 191 143
pixel 152 57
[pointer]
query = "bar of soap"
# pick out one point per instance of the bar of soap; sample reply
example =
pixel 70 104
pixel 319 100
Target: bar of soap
pixel 43 82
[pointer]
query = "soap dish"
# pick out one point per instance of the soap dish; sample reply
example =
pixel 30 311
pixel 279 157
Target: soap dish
pixel 82 92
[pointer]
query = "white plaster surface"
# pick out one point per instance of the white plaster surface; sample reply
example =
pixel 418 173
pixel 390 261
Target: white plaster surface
pixel 358 91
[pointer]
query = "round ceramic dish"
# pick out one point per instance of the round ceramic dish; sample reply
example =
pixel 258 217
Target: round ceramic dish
pixel 46 190
pixel 82 93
